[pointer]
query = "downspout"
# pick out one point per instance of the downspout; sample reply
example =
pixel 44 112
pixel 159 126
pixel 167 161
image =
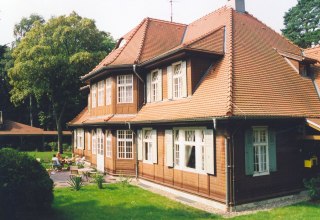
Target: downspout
pixel 226 143
pixel 144 85
pixel 136 170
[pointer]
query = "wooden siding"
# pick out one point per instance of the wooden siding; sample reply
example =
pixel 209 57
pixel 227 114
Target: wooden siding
pixel 210 186
pixel 289 174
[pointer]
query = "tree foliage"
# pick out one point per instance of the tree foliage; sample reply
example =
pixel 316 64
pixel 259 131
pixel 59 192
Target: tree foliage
pixel 50 59
pixel 302 23
pixel 25 25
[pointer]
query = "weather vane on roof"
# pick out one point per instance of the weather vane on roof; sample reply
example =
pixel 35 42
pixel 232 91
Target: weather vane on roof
pixel 171 6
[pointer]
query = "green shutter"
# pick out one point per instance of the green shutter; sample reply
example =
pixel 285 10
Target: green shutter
pixel 249 151
pixel 272 151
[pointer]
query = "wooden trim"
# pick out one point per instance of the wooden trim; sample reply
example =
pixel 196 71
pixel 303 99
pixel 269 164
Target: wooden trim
pixel 313 125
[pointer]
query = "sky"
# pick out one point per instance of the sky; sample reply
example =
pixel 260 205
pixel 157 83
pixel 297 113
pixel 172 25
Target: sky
pixel 119 16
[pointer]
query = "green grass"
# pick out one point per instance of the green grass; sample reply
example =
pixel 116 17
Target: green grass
pixel 46 156
pixel 130 202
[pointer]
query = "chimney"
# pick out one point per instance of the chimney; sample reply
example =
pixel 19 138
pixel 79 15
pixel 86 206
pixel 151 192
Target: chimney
pixel 237 5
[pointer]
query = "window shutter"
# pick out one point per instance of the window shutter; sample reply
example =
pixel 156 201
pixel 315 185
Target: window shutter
pixel 149 87
pixel 169 81
pixel 209 151
pixel 272 150
pixel 140 145
pixel 154 146
pixel 169 148
pixel 249 152
pixel 184 78
pixel 160 85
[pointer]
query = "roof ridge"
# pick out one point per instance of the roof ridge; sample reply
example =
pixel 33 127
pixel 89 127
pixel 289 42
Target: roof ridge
pixel 230 77
pixel 195 40
pixel 129 39
pixel 78 115
pixel 283 37
pixel 168 22
pixel 215 11
pixel 142 46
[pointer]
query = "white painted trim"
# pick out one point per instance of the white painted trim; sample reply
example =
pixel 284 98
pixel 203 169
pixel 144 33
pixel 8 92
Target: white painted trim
pixel 314 124
pixel 293 67
pixel 199 199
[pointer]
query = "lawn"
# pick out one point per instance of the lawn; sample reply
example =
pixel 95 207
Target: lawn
pixel 46 156
pixel 130 202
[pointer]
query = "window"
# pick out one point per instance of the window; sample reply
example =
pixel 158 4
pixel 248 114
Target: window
pixel 125 144
pixel 100 137
pixel 189 149
pixel 100 93
pixel 177 80
pixel 80 138
pixel 94 95
pixel 108 143
pixel 89 139
pixel 108 91
pixel 260 151
pixel 154 86
pixel 147 145
pixel 125 88
pixel 75 138
pixel 94 142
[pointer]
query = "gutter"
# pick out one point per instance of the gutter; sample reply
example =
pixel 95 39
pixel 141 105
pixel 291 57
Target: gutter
pixel 105 68
pixel 144 84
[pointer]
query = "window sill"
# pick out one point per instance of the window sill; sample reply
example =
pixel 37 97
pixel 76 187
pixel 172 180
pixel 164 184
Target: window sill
pixel 190 170
pixel 261 174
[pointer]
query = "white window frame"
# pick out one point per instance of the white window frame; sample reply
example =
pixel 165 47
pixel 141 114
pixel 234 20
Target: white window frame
pixel 101 93
pixel 181 144
pixel 108 144
pixel 124 142
pixel 75 139
pixel 108 91
pixel 94 142
pixel 89 140
pixel 125 89
pixel 94 96
pixel 147 143
pixel 100 141
pixel 177 94
pixel 154 87
pixel 80 138
pixel 258 147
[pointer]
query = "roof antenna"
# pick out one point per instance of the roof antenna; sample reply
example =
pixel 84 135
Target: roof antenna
pixel 171 9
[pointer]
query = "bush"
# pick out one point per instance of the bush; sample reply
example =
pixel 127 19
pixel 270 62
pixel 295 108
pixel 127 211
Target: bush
pixel 99 180
pixel 25 185
pixel 53 146
pixel 75 182
pixel 313 187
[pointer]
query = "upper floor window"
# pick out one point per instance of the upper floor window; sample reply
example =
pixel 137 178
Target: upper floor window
pixel 94 96
pixel 154 86
pixel 108 91
pixel 177 80
pixel 100 93
pixel 125 144
pixel 125 88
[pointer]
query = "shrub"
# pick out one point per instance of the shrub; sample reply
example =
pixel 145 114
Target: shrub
pixel 53 146
pixel 75 182
pixel 313 187
pixel 124 180
pixel 25 185
pixel 99 180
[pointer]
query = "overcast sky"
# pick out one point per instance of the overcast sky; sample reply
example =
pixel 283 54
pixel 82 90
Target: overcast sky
pixel 120 16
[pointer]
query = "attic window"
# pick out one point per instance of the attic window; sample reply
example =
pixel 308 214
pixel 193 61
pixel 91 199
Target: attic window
pixel 121 42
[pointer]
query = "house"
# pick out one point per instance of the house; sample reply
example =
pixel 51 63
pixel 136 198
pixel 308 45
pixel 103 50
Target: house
pixel 216 108
pixel 25 137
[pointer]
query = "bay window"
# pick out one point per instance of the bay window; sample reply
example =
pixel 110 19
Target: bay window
pixel 94 96
pixel 108 91
pixel 100 93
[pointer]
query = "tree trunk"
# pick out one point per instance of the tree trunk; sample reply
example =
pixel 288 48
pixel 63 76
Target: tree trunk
pixel 60 136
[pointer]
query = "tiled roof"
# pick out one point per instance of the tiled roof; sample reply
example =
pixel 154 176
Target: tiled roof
pixel 251 79
pixel 16 128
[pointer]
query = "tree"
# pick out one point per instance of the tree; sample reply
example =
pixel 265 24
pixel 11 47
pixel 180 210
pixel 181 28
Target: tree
pixel 302 23
pixel 50 59
pixel 25 25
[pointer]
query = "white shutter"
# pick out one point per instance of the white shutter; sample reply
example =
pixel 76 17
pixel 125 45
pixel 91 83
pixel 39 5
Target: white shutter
pixel 209 151
pixel 169 148
pixel 169 81
pixel 160 85
pixel 149 87
pixel 184 79
pixel 140 145
pixel 154 146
